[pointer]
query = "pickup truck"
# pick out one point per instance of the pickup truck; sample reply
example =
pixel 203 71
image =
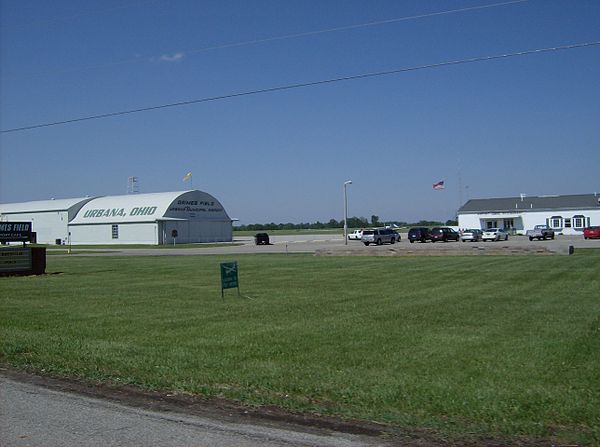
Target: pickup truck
pixel 540 232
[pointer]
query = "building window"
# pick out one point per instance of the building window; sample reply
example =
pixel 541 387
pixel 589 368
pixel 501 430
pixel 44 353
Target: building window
pixel 578 221
pixel 492 224
pixel 556 221
pixel 509 223
pixel 567 222
pixel 115 232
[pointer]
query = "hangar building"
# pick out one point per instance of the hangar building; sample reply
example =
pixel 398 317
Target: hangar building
pixel 157 218
pixel 568 214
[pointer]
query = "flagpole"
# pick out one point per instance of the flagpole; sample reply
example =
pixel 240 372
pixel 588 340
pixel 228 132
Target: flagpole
pixel 189 176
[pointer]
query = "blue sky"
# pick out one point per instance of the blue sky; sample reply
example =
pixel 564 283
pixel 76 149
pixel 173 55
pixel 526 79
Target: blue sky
pixel 500 128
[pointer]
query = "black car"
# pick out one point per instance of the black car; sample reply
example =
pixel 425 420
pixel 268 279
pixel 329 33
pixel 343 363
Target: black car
pixel 418 234
pixel 444 234
pixel 261 239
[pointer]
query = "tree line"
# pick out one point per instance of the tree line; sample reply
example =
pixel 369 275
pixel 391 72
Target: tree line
pixel 353 222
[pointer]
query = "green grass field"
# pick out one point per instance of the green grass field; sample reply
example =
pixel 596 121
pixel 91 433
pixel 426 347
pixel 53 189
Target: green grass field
pixel 54 249
pixel 464 347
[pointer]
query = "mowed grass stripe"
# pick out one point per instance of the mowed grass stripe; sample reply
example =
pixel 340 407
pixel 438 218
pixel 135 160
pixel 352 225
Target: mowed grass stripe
pixel 501 345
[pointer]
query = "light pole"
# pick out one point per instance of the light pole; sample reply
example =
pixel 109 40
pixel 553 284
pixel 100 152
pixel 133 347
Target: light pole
pixel 346 183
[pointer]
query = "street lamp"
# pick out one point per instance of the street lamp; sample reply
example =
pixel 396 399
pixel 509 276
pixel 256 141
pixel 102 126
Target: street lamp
pixel 346 183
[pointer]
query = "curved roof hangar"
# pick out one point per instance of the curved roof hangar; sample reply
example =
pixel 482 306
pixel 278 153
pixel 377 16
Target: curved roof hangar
pixel 179 205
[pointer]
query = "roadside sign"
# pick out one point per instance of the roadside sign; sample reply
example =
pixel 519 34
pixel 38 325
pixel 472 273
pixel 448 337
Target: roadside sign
pixel 22 261
pixel 15 231
pixel 229 276
pixel 15 259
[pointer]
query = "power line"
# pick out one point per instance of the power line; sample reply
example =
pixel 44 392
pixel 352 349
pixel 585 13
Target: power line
pixel 278 38
pixel 309 84
pixel 349 27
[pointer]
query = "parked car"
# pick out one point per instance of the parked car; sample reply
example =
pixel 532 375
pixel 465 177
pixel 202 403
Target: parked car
pixel 418 234
pixel 494 234
pixel 379 236
pixel 356 235
pixel 591 232
pixel 444 234
pixel 472 235
pixel 540 232
pixel 261 239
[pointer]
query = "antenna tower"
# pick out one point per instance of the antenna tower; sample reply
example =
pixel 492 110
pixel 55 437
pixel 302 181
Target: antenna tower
pixel 132 185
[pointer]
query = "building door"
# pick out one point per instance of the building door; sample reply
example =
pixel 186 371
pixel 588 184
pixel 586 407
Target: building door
pixel 161 232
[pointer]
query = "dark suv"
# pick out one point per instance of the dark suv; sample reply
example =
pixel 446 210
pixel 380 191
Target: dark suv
pixel 418 234
pixel 261 239
pixel 444 234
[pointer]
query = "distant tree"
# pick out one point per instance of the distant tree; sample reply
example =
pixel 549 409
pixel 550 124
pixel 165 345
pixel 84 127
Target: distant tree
pixel 356 222
pixel 353 222
pixel 452 223
pixel 427 223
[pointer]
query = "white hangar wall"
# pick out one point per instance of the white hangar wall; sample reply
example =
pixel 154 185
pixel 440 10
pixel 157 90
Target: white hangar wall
pixel 159 218
pixel 128 233
pixel 49 218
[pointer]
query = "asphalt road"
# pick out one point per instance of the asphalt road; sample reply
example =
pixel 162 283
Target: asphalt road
pixel 32 416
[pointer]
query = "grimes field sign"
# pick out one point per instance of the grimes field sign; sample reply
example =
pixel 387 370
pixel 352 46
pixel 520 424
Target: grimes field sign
pixel 24 260
pixel 15 231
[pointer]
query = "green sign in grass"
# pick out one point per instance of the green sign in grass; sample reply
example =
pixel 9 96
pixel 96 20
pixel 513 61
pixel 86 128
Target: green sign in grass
pixel 229 276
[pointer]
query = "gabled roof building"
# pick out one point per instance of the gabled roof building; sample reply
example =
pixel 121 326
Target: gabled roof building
pixel 49 218
pixel 568 214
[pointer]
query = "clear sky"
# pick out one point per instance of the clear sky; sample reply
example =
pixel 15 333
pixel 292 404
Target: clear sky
pixel 499 128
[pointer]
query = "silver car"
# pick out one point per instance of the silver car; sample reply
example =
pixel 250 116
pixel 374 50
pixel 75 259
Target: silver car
pixel 379 236
pixel 472 235
pixel 494 234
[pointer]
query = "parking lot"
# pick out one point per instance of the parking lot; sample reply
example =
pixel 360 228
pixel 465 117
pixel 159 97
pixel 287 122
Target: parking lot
pixel 514 245
pixel 328 244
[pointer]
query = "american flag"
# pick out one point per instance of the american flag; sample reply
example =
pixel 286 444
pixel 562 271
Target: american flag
pixel 438 185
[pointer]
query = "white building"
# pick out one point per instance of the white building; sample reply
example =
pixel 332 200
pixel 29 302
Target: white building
pixel 565 214
pixel 158 218
pixel 49 218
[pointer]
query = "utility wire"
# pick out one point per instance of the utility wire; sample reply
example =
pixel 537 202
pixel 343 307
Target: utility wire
pixel 309 84
pixel 349 27
pixel 277 38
